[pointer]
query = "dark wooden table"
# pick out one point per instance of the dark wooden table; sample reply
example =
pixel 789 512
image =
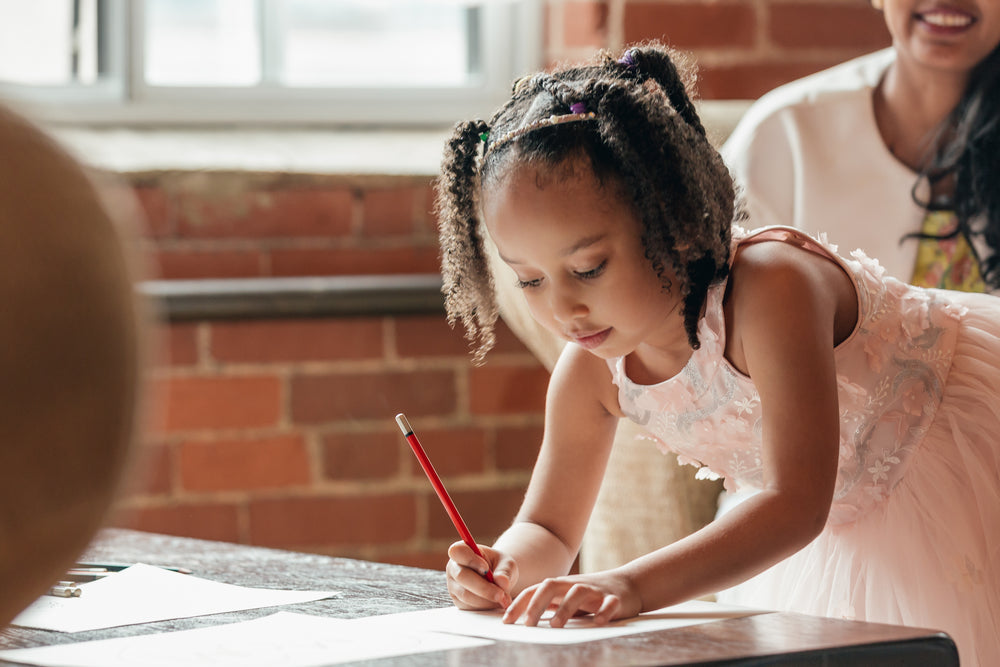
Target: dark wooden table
pixel 368 589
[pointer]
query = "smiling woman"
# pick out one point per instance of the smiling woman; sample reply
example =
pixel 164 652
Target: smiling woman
pixel 896 152
pixel 69 362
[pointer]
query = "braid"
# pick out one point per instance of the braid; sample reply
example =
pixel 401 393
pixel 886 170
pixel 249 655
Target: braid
pixel 674 180
pixel 467 283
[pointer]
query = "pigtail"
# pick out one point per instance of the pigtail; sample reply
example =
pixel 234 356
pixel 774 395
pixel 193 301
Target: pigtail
pixel 467 281
pixel 648 62
pixel 680 187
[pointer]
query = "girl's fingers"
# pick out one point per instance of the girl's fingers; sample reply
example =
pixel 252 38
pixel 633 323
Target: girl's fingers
pixel 460 553
pixel 579 598
pixel 567 599
pixel 469 589
pixel 608 610
pixel 516 608
pixel 467 583
pixel 535 601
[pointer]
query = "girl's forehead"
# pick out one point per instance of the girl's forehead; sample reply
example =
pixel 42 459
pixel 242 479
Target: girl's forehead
pixel 539 190
pixel 572 177
pixel 533 206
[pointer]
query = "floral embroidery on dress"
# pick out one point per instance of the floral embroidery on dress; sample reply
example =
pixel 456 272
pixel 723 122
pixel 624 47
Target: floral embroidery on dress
pixel 964 574
pixel 882 466
pixel 890 376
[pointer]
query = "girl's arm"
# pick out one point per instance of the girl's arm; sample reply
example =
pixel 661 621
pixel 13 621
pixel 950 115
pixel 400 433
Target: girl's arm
pixel 546 535
pixel 784 308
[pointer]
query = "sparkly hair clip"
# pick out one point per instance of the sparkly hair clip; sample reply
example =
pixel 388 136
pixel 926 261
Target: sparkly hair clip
pixel 578 113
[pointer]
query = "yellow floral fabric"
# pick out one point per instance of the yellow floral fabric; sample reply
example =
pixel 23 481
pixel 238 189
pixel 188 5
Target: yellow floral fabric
pixel 946 263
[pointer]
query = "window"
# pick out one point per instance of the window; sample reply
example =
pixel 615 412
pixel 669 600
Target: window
pixel 265 61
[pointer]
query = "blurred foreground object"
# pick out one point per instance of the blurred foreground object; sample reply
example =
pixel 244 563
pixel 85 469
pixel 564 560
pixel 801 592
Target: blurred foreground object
pixel 69 361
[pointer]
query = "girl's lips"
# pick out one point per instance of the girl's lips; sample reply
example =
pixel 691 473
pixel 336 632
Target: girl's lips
pixel 590 341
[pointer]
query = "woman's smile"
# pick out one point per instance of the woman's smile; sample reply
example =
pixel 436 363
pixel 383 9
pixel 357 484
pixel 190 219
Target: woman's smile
pixel 945 21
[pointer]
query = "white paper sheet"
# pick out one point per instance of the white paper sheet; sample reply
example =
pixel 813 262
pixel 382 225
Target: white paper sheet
pixel 143 594
pixel 284 638
pixel 582 629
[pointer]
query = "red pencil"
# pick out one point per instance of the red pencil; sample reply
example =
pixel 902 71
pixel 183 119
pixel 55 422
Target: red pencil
pixel 442 493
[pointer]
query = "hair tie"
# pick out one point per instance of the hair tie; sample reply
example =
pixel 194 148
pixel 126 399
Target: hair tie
pixel 628 59
pixel 578 107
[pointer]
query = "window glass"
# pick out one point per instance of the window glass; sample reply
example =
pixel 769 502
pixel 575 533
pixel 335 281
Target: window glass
pixel 375 44
pixel 48 42
pixel 349 62
pixel 202 43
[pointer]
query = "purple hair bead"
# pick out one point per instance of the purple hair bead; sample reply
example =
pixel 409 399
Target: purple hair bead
pixel 628 59
pixel 578 107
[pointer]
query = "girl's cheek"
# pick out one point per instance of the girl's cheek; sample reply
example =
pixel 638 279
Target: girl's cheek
pixel 541 314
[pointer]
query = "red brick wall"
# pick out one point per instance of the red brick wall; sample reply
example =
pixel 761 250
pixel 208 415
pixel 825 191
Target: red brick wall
pixel 743 47
pixel 281 432
pixel 237 225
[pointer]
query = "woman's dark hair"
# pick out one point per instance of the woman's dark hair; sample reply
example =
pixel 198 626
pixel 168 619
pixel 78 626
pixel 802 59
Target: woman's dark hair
pixel 970 153
pixel 646 140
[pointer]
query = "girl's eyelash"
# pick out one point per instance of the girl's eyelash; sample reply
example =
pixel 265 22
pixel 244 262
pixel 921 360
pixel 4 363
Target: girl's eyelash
pixel 585 275
pixel 594 272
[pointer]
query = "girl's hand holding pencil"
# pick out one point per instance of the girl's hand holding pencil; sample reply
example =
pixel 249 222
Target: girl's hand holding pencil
pixel 467 583
pixel 473 555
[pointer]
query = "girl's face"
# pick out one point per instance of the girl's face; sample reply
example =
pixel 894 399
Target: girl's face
pixel 944 35
pixel 576 250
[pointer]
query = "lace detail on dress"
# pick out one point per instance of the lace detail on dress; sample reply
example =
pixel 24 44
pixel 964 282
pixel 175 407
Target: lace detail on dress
pixel 891 374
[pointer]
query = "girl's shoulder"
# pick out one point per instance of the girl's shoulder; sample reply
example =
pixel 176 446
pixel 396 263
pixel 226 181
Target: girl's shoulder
pixel 790 276
pixel 585 377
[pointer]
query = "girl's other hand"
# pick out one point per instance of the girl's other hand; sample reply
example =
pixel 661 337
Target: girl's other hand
pixel 466 575
pixel 606 595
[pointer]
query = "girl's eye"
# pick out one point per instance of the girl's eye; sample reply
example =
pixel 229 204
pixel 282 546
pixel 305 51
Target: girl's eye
pixel 525 284
pixel 592 273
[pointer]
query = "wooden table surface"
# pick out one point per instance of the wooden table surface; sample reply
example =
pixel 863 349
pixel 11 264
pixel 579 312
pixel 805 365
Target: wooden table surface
pixel 368 589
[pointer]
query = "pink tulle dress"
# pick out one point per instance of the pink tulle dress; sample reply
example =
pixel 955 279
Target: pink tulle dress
pixel 913 535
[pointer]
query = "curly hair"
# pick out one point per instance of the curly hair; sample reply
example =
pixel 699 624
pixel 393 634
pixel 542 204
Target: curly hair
pixel 645 138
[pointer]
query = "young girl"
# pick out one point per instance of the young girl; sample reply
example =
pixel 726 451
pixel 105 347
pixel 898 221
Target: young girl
pixel 865 410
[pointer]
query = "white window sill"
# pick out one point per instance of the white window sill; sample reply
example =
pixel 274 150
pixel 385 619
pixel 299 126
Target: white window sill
pixel 362 153
pixel 293 151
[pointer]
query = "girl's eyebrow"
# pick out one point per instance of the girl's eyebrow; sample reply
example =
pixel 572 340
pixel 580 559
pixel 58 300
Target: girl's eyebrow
pixel 585 242
pixel 582 243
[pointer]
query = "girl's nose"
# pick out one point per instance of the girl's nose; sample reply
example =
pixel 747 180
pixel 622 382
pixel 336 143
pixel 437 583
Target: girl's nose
pixel 567 305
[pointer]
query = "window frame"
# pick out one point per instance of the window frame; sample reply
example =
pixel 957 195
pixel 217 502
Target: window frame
pixel 510 32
